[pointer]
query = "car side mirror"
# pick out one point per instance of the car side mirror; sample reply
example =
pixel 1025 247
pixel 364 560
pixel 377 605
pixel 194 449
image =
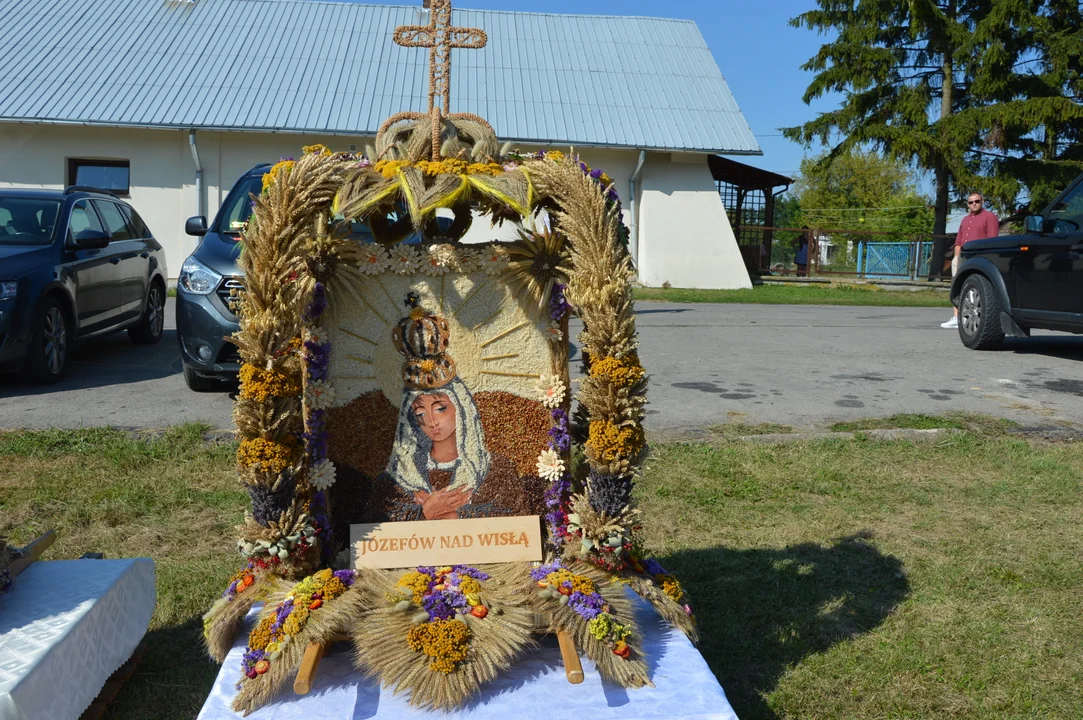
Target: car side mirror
pixel 91 240
pixel 1035 224
pixel 196 225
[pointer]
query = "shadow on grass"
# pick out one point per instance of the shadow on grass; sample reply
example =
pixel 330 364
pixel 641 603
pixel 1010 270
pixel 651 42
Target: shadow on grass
pixel 762 611
pixel 173 680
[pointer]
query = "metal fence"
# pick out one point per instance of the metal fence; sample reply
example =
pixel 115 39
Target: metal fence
pixel 846 252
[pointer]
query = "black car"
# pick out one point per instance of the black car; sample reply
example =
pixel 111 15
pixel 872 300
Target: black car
pixel 210 281
pixel 74 264
pixel 1009 285
pixel 207 286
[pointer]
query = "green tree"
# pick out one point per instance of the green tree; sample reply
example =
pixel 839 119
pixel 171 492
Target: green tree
pixel 983 93
pixel 787 215
pixel 861 190
pixel 1028 86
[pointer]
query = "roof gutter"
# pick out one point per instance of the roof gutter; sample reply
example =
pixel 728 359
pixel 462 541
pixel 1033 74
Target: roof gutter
pixel 199 172
pixel 632 207
pixel 364 134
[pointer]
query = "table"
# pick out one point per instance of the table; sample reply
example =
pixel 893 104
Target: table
pixel 65 627
pixel 685 688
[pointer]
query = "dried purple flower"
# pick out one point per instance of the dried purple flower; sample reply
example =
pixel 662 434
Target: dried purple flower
pixel 609 494
pixel 268 505
pixel 653 567
pixel 438 607
pixel 470 572
pixel 318 304
pixel 539 573
pixel 348 577
pixel 586 606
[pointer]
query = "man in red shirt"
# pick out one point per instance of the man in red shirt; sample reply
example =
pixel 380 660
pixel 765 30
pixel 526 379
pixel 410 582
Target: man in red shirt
pixel 978 224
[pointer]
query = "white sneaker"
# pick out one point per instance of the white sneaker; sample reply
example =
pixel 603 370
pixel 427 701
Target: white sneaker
pixel 953 323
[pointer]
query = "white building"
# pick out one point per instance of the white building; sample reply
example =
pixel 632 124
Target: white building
pixel 171 101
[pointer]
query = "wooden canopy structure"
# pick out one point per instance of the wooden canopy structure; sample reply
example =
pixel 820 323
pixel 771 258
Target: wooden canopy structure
pixel 748 194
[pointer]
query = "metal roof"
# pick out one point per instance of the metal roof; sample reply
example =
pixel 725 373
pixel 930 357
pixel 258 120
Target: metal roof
pixel 312 66
pixel 735 173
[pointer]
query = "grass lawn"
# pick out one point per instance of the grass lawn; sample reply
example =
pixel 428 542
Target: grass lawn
pixel 831 578
pixel 801 295
pixel 172 498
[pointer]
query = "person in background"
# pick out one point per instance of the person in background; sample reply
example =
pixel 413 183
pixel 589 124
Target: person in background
pixel 801 258
pixel 978 224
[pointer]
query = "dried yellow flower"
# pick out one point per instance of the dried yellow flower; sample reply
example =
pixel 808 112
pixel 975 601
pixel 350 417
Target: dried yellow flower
pixel 621 372
pixel 611 442
pixel 445 641
pixel 261 385
pixel 267 455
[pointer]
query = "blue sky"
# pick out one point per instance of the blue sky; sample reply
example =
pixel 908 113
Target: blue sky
pixel 759 54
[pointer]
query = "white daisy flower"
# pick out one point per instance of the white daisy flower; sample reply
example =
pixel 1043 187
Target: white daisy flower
pixel 438 261
pixel 466 260
pixel 550 465
pixel 374 260
pixel 554 333
pixel 494 259
pixel 404 259
pixel 551 390
pixel 319 395
pixel 322 475
pixel 316 335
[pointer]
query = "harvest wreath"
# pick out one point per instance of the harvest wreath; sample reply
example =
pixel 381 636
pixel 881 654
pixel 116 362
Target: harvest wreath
pixel 438 633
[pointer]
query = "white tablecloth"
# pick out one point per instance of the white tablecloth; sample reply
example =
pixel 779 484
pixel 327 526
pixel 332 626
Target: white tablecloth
pixel 536 686
pixel 65 627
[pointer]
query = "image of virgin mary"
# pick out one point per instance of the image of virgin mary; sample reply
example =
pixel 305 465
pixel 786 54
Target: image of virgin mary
pixel 440 467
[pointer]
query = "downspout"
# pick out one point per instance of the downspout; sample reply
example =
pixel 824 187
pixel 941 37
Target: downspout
pixel 632 207
pixel 199 171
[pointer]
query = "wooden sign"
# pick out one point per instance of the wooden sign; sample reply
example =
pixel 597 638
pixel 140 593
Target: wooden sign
pixel 446 542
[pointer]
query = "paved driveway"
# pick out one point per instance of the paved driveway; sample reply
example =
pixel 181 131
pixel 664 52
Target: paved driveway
pixel 799 365
pixel 112 381
pixel 809 365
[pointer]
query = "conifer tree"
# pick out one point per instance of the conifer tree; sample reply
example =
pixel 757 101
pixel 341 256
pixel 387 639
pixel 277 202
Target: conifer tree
pixel 1027 109
pixel 985 94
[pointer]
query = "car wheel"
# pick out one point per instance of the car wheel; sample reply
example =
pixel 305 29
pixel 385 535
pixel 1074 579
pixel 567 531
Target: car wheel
pixel 198 383
pixel 149 329
pixel 48 358
pixel 979 314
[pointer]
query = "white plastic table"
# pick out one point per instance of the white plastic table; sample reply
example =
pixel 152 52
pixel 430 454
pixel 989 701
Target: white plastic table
pixel 65 627
pixel 685 688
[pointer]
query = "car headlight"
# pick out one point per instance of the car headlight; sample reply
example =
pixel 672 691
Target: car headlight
pixel 196 278
pixel 7 289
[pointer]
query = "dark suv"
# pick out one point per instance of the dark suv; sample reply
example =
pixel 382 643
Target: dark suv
pixel 1011 284
pixel 74 264
pixel 210 281
pixel 207 286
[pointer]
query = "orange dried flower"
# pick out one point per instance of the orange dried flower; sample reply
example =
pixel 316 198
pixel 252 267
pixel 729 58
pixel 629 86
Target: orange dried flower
pixel 479 611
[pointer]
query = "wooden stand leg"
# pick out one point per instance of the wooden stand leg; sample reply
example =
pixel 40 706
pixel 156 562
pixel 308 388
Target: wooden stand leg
pixel 31 553
pixel 572 667
pixel 307 673
pixel 114 684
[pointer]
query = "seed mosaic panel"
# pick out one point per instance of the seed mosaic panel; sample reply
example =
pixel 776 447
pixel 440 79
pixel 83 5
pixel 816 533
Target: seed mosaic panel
pixel 439 407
